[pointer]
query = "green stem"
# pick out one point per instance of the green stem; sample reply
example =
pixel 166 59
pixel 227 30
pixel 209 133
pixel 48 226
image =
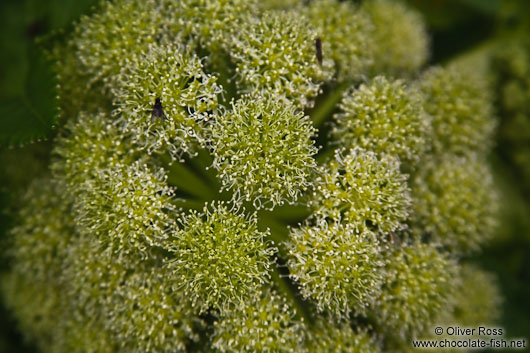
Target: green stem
pixel 203 162
pixel 324 156
pixel 188 181
pixel 325 107
pixel 220 62
pixel 290 213
pixel 285 288
pixel 189 204
pixel 279 232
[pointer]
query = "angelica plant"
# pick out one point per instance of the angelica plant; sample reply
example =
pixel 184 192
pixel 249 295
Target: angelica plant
pixel 243 176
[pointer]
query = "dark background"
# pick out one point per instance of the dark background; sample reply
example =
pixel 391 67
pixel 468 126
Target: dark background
pixel 28 110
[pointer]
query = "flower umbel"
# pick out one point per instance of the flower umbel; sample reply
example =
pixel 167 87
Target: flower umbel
pixel 242 176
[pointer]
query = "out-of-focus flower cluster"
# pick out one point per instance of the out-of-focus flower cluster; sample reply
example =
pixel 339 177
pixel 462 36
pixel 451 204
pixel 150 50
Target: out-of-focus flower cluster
pixel 244 176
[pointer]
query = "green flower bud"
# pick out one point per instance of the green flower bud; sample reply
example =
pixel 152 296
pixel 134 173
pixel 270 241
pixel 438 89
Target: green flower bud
pixel 211 23
pixel 401 44
pixel 363 189
pixel 277 54
pixel 130 207
pixel 278 4
pixel 263 150
pixel 44 228
pixel 460 104
pixel 148 316
pixel 347 31
pixel 219 258
pixel 477 298
pixel 117 199
pixel 337 266
pixel 163 95
pixel 418 286
pixel 33 290
pixel 385 117
pixel 326 336
pixel 265 322
pixel 455 202
pixel 76 91
pixel 116 31
pixel 89 144
pixel 142 312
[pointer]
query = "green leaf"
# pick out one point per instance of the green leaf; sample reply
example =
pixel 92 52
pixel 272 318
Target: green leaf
pixel 30 115
pixel 27 84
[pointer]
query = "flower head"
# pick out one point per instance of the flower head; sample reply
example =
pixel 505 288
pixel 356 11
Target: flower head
pixel 337 266
pixel 117 196
pixel 263 150
pixel 172 82
pixel 385 117
pixel 210 23
pixel 219 257
pixel 134 24
pixel 264 323
pixel 418 286
pixel 346 30
pixel 401 44
pixel 364 189
pixel 277 54
pixel 460 105
pixel 455 202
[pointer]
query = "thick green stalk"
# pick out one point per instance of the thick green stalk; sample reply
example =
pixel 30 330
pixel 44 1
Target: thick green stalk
pixel 187 180
pixel 327 105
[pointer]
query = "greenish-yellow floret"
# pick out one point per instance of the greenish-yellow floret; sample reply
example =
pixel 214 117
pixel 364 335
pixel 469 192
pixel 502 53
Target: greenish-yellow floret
pixel 209 23
pixel 336 265
pixel 118 30
pixel 263 151
pixel 89 143
pixel 164 99
pixel 460 104
pixel 219 258
pixel 347 31
pixel 419 282
pixel 142 312
pixel 147 315
pixel 401 43
pixel 276 53
pixel 455 202
pixel 328 336
pixel 383 116
pixel 363 188
pixel 265 322
pixel 117 198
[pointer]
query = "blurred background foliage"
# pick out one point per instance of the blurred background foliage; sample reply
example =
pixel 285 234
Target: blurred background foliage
pixel 28 116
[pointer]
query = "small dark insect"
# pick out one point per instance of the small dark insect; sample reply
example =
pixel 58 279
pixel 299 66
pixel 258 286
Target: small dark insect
pixel 158 111
pixel 318 45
